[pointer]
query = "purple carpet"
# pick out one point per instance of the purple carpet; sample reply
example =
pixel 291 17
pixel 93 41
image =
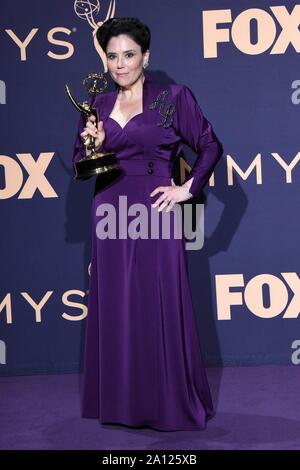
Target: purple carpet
pixel 257 408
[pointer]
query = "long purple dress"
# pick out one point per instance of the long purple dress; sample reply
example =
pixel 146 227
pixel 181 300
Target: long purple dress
pixel 143 364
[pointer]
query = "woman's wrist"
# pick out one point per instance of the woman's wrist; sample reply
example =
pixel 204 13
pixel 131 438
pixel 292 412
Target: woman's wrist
pixel 189 195
pixel 186 186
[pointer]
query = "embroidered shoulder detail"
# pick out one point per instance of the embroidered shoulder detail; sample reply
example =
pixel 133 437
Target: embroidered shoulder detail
pixel 166 108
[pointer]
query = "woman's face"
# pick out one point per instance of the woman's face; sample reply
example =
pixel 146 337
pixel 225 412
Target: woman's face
pixel 125 59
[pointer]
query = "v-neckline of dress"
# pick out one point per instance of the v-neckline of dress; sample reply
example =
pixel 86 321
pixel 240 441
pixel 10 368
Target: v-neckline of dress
pixel 146 79
pixel 118 124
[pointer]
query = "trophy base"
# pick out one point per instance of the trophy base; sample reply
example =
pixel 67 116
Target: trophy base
pixel 96 164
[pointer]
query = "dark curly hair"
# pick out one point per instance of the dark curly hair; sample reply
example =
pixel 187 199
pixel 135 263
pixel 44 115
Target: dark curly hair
pixel 133 27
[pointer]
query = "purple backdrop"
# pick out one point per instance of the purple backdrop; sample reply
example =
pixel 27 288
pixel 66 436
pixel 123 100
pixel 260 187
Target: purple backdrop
pixel 240 60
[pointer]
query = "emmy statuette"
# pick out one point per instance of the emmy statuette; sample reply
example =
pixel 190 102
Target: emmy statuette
pixel 96 163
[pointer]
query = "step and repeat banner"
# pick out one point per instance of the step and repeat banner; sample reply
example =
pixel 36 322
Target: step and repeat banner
pixel 241 60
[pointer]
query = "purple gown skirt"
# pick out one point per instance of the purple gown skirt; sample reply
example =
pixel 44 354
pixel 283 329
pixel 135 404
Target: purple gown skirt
pixel 143 364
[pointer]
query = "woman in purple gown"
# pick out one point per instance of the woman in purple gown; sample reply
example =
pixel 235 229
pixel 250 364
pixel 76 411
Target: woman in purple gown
pixel 143 364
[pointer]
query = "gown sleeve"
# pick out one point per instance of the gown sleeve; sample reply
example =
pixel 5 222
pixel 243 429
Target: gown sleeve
pixel 196 132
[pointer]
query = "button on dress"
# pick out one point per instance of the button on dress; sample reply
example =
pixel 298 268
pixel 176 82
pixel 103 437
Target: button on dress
pixel 143 363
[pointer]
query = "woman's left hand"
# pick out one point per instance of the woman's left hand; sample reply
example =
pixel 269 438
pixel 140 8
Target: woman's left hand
pixel 171 195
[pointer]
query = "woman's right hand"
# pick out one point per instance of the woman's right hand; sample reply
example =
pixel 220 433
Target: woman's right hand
pixel 91 129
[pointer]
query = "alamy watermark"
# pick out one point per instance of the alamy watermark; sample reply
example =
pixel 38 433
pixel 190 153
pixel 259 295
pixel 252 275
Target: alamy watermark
pixel 138 220
pixel 2 92
pixel 295 357
pixel 2 352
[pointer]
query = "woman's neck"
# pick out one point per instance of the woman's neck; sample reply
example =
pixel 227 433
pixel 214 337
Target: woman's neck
pixel 133 91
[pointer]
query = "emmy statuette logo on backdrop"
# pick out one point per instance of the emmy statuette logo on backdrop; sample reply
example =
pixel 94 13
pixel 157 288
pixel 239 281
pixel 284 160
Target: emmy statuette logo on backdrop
pixel 86 10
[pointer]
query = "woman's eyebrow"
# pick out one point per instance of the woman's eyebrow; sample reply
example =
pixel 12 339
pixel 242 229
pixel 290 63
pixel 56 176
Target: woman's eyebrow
pixel 130 50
